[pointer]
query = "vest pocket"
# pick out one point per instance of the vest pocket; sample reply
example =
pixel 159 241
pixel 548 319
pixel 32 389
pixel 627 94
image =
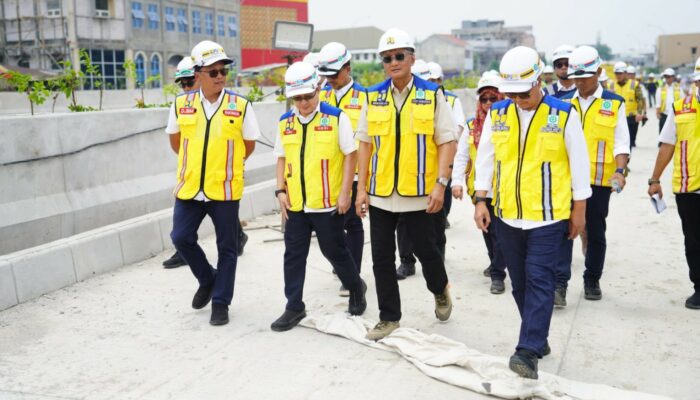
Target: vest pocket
pixel 550 146
pixel 378 121
pixel 423 120
pixel 187 124
pixel 325 147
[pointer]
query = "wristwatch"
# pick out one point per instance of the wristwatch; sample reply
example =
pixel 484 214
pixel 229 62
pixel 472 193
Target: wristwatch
pixel 443 181
pixel 278 191
pixel 620 171
pixel 478 199
pixel 653 181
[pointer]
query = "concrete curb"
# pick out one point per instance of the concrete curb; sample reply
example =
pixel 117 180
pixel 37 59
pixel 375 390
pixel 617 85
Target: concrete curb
pixel 30 273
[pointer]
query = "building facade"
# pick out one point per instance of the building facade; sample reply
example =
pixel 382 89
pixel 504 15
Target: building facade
pixel 155 34
pixel 361 42
pixel 491 39
pixel 452 53
pixel 677 50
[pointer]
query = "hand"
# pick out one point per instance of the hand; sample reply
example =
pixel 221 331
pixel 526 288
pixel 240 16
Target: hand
pixel 284 205
pixel 457 192
pixel 655 188
pixel 361 202
pixel 343 203
pixel 577 222
pixel 435 199
pixel 658 114
pixel 638 117
pixel 482 216
pixel 620 180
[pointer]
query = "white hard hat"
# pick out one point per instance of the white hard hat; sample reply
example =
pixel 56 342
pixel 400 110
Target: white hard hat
pixel 488 80
pixel 520 68
pixel 548 69
pixel 300 78
pixel 185 68
pixel 435 70
pixel 395 39
pixel 584 62
pixel 668 72
pixel 207 52
pixel 652 75
pixel 631 69
pixel 562 51
pixel 311 58
pixel 332 58
pixel 696 75
pixel 620 67
pixel 420 69
pixel 603 76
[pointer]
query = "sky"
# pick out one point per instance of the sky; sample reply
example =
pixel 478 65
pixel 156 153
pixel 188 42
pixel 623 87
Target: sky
pixel 623 24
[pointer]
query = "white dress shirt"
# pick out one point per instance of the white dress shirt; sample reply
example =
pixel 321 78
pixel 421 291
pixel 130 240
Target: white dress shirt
pixel 576 148
pixel 669 97
pixel 460 163
pixel 622 130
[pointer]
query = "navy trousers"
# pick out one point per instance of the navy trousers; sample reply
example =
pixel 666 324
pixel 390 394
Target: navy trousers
pixel 531 257
pixel 331 239
pixel 497 267
pixel 354 231
pixel 689 211
pixel 187 216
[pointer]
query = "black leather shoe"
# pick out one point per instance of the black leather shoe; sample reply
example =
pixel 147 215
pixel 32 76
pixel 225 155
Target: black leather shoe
pixel 546 350
pixel 524 363
pixel 693 302
pixel 219 314
pixel 591 291
pixel 560 297
pixel 405 270
pixel 497 287
pixel 202 296
pixel 174 261
pixel 357 303
pixel 241 244
pixel 487 272
pixel 288 320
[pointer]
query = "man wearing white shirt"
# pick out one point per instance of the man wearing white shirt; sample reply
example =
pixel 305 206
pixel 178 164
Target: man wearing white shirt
pixel 607 136
pixel 533 156
pixel 666 95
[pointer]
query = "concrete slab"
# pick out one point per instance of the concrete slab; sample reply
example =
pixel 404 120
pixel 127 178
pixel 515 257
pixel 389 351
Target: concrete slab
pixel 8 293
pixel 140 240
pixel 41 272
pixel 97 254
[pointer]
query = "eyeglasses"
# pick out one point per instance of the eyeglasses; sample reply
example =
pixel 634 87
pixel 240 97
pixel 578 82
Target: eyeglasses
pixel 326 69
pixel 398 57
pixel 561 64
pixel 186 83
pixel 213 73
pixel 306 97
pixel 521 96
pixel 484 100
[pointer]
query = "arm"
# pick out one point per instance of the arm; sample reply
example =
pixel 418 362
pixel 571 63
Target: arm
pixel 364 153
pixel 459 166
pixel 657 97
pixel 175 142
pixel 483 178
pixel 667 139
pixel 249 147
pixel 283 198
pixel 173 130
pixel 621 148
pixel 346 141
pixel 445 138
pixel 579 165
pixel 251 130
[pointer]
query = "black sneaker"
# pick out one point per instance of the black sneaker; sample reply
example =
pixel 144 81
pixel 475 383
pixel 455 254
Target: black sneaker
pixel 524 363
pixel 202 296
pixel 241 243
pixel 487 272
pixel 174 261
pixel 405 270
pixel 560 297
pixel 357 303
pixel 288 320
pixel 693 302
pixel 546 350
pixel 497 287
pixel 591 291
pixel 219 314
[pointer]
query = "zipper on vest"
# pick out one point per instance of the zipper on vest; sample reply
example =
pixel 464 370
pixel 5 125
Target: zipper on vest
pixel 301 169
pixel 521 156
pixel 204 158
pixel 397 152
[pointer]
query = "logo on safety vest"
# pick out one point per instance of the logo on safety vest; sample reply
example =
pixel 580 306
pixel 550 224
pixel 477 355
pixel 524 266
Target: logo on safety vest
pixel 552 124
pixel 420 94
pixel 231 106
pixel 606 108
pixel 232 113
pixel 354 101
pixel 325 125
pixel 187 110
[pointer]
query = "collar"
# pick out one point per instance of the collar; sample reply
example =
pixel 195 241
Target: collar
pixel 306 120
pixel 221 97
pixel 596 95
pixel 563 88
pixel 407 88
pixel 342 91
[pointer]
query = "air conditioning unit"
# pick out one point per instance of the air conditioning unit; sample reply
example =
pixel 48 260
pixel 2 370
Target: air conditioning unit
pixel 53 13
pixel 101 13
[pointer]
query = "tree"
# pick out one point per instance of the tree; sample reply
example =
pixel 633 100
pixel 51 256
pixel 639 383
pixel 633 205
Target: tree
pixel 36 91
pixel 604 51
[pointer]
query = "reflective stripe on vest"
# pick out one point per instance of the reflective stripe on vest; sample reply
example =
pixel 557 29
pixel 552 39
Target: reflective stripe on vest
pixel 211 151
pixel 404 153
pixel 599 122
pixel 686 156
pixel 676 96
pixel 314 160
pixel 532 181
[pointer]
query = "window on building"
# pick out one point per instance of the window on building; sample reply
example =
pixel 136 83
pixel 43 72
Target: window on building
pixel 155 70
pixel 102 5
pixel 232 26
pixel 181 20
pixel 140 70
pixel 196 22
pixel 137 15
pixel 209 23
pixel 220 25
pixel 169 19
pixel 693 50
pixel 53 8
pixel 153 16
pixel 111 64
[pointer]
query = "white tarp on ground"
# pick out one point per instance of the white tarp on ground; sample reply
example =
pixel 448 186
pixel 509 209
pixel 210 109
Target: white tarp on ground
pixel 454 363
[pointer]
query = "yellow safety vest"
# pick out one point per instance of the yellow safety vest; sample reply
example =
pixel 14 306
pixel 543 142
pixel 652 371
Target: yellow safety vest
pixel 404 154
pixel 686 156
pixel 599 122
pixel 532 181
pixel 351 103
pixel 314 170
pixel 471 160
pixel 211 151
pixel 676 96
pixel 627 92
pixel 450 97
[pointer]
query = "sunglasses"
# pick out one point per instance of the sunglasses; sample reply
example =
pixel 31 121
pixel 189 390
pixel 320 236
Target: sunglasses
pixel 213 73
pixel 561 64
pixel 306 97
pixel 186 83
pixel 398 57
pixel 326 69
pixel 521 96
pixel 484 100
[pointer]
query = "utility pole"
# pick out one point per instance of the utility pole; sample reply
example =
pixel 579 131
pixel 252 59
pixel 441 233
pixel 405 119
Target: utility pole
pixel 73 50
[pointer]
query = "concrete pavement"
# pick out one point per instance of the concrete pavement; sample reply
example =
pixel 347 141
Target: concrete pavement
pixel 131 334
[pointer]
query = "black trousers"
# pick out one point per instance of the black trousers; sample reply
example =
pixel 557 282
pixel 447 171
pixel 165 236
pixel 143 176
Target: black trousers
pixel 662 121
pixel 596 212
pixel 382 232
pixel 404 240
pixel 689 211
pixel 331 240
pixel 354 231
pixel 633 126
pixel 497 267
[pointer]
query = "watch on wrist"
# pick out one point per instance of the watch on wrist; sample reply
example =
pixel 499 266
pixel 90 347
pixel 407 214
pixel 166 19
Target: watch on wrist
pixel 479 199
pixel 278 191
pixel 620 171
pixel 443 181
pixel 653 181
